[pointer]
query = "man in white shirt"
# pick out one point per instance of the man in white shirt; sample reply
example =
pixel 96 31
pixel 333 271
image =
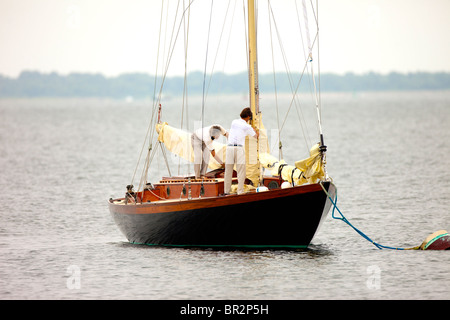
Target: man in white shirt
pixel 235 150
pixel 203 139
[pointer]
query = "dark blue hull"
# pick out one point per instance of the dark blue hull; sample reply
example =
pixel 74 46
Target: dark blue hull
pixel 284 218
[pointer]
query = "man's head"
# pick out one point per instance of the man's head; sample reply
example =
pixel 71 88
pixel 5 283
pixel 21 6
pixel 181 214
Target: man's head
pixel 246 114
pixel 215 132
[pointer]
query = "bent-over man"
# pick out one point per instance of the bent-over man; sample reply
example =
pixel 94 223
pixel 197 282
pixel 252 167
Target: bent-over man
pixel 202 143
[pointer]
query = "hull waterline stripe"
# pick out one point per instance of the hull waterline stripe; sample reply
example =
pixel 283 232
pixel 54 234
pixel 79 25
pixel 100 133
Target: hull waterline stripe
pixel 221 246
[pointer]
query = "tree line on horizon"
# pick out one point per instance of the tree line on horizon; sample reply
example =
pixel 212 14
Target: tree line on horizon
pixel 31 84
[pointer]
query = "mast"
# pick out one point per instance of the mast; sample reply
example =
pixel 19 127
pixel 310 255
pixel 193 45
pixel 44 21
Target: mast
pixel 253 167
pixel 253 61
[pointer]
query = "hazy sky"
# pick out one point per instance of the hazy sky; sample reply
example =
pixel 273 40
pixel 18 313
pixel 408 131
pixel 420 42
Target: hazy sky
pixel 117 36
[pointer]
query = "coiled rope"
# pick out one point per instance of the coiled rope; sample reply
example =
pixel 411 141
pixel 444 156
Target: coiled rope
pixel 343 218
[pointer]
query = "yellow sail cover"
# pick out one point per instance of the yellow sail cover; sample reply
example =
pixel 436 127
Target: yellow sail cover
pixel 178 142
pixel 312 167
pixel 253 149
pixel 308 170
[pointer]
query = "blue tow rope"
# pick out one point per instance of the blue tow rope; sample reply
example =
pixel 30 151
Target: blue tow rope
pixel 343 218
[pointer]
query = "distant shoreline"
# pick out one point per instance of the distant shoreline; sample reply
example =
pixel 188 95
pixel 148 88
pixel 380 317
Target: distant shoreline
pixel 33 84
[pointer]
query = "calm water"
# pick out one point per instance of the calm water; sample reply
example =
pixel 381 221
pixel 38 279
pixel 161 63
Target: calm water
pixel 62 160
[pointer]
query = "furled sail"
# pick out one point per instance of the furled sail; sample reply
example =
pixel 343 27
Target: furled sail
pixel 308 170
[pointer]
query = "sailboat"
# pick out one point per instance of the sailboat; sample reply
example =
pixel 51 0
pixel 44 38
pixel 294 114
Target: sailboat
pixel 283 206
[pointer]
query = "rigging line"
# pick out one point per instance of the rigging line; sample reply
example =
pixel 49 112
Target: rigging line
pixel 298 85
pixel 184 104
pixel 318 58
pixel 204 74
pixel 303 46
pixel 310 47
pixel 218 47
pixel 165 37
pixel 300 29
pixel 293 99
pixel 206 62
pixel 186 43
pixel 157 56
pixel 220 84
pixel 227 46
pixel 172 47
pixel 280 151
pixel 305 15
pixel 149 131
pixel 149 159
pixel 154 103
pixel 306 58
pixel 294 93
pixel 150 154
pixel 319 116
pixel 315 15
pixel 318 93
pixel 246 36
pixel 172 44
pixel 141 182
pixel 163 150
pixel 229 35
pixel 283 51
pixel 167 63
